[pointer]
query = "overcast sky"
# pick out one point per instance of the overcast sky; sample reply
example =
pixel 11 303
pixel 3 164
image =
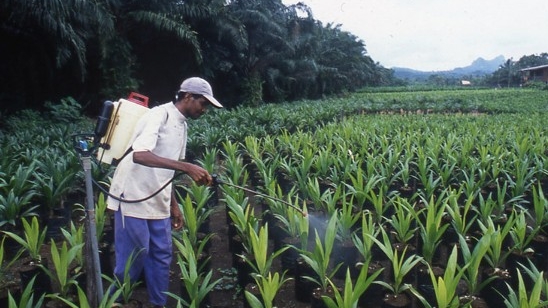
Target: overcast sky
pixel 439 34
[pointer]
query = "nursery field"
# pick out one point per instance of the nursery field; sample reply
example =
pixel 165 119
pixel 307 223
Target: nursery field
pixel 381 199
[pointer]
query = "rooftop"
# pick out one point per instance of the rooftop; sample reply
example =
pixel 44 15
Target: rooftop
pixel 534 68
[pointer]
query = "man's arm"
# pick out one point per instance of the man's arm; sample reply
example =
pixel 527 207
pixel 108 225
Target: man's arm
pixel 149 159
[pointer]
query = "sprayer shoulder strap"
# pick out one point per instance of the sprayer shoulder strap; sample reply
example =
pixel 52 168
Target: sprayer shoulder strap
pixel 116 161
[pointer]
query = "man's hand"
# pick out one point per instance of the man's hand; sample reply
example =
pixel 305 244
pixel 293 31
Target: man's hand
pixel 198 174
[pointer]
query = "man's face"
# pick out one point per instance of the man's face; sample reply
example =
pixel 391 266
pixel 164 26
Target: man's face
pixel 198 106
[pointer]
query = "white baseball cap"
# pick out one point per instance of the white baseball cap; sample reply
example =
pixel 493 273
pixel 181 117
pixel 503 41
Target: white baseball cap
pixel 197 85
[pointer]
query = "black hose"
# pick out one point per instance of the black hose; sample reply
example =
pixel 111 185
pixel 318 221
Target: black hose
pixel 106 192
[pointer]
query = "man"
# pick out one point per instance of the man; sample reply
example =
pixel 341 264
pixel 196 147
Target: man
pixel 143 229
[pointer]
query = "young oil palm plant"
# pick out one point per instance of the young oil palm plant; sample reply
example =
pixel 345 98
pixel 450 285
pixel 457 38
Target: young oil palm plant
pixel 360 186
pixel 473 261
pixel 296 225
pixel 17 189
pixel 62 260
pixel 57 176
pixel 461 215
pixel 242 218
pixel 123 287
pixel 497 251
pixel 108 301
pixel 13 208
pixel 539 213
pixel 352 289
pixel 33 238
pixel 446 287
pixel 431 226
pixel 319 259
pixel 401 265
pixel 268 289
pixel 347 219
pixel 523 297
pixel 197 281
pixel 26 298
pixel 234 164
pixel 260 258
pixel 75 237
pixel 195 214
pixel 402 222
pixel 6 264
pixel 363 240
pixel 522 234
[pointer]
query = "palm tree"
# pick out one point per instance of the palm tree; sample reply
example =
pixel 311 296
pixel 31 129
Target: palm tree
pixel 265 29
pixel 48 39
pixel 42 38
pixel 146 30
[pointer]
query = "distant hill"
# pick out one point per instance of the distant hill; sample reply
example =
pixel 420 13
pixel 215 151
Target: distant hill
pixel 480 67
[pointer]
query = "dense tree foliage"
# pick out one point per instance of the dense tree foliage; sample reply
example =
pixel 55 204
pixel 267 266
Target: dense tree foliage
pixel 253 51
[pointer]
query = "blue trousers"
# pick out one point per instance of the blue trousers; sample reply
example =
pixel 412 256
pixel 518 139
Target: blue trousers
pixel 151 245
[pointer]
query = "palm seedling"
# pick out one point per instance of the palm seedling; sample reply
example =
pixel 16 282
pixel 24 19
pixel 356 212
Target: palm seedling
pixel 497 253
pixel 5 265
pixel 196 281
pixel 462 216
pixel 352 290
pixel 523 297
pixel 17 190
pixel 268 288
pixel 522 234
pixel 473 260
pixel 320 257
pixel 360 186
pixel 445 288
pixel 195 213
pixel 261 259
pixel 62 260
pixel 261 262
pixel 124 287
pixel 26 299
pixel 56 181
pixel 33 239
pixel 363 240
pixel 402 222
pixel 401 265
pixel 75 237
pixel 431 226
pixel 540 208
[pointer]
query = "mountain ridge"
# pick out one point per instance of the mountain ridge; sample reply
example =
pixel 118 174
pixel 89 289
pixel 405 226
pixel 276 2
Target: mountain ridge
pixel 479 67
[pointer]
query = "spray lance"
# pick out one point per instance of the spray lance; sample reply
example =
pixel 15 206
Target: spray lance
pixel 217 181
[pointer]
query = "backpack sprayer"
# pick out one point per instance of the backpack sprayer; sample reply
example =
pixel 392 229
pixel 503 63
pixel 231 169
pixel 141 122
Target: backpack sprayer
pixel 115 127
pixel 111 138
